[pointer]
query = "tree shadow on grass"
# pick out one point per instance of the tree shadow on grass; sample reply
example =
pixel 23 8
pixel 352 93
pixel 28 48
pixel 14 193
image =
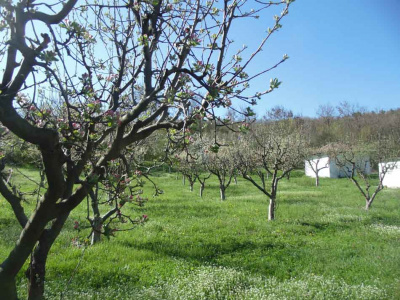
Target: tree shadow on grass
pixel 271 258
pixel 199 251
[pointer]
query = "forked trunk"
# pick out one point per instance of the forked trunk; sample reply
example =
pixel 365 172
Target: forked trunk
pixel 271 209
pixel 23 248
pixel 36 272
pixel 368 204
pixel 222 192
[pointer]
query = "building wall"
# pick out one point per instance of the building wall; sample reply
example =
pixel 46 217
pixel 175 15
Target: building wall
pixel 392 177
pixel 363 163
pixel 322 161
pixel 338 172
pixel 333 170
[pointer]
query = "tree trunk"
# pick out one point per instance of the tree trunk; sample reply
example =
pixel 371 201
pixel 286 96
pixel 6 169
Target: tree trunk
pixel 368 204
pixel 222 192
pixel 235 179
pixel 191 186
pixel 36 272
pixel 23 248
pixel 201 189
pixel 97 226
pixel 183 179
pixel 97 222
pixel 316 180
pixel 271 209
pixel 8 289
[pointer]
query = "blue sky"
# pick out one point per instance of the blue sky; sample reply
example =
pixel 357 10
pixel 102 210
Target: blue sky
pixel 340 50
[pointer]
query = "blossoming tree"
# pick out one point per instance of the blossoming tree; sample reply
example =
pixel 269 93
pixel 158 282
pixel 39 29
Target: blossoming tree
pixel 270 151
pixel 83 80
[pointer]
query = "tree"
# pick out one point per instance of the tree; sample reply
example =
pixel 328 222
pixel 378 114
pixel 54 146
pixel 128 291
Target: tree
pixel 188 167
pixel 100 76
pixel 120 186
pixel 315 160
pixel 270 151
pixel 202 180
pixel 220 162
pixel 355 159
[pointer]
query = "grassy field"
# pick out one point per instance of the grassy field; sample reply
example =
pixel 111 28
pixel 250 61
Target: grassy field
pixel 323 245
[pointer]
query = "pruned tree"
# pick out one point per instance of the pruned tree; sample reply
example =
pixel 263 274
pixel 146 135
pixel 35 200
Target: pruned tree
pixel 316 161
pixel 201 178
pixel 188 167
pixel 356 158
pixel 220 162
pixel 269 152
pixel 84 80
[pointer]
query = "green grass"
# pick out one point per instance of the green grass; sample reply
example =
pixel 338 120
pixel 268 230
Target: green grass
pixel 323 245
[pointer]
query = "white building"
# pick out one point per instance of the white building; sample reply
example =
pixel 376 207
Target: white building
pixel 392 177
pixel 329 168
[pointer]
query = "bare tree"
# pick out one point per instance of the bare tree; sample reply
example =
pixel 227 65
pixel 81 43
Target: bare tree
pixel 316 161
pixel 327 113
pixel 355 159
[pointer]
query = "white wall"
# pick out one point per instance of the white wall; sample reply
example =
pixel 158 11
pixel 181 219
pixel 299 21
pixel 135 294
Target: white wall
pixel 392 177
pixel 322 161
pixel 333 170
